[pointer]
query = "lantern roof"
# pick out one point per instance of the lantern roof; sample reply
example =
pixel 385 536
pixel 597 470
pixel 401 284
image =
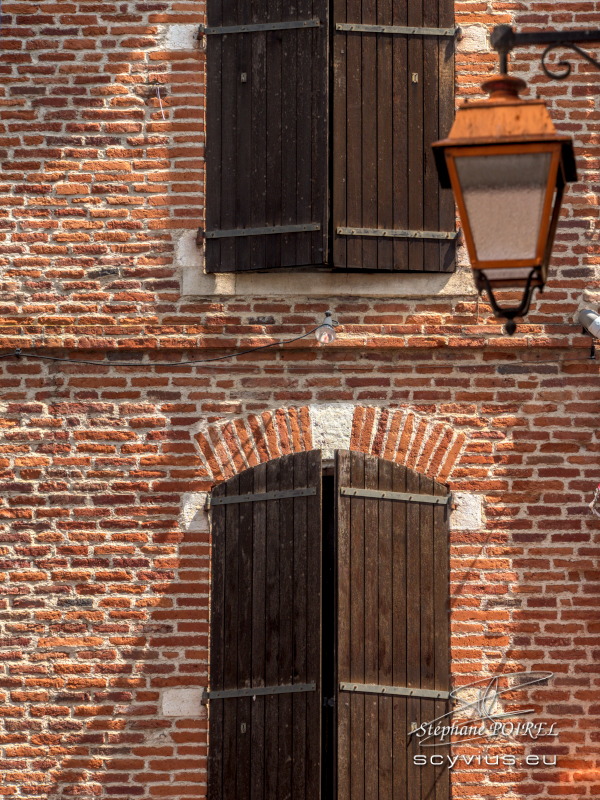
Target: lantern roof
pixel 503 118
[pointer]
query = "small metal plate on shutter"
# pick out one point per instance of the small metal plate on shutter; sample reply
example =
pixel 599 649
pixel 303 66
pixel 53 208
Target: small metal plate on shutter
pixel 261 26
pixel 406 497
pixel 226 234
pixel 395 29
pixel 395 691
pixel 260 496
pixel 259 691
pixel 396 234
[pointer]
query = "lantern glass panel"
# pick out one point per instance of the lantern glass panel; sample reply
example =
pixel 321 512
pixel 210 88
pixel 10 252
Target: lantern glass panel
pixel 504 199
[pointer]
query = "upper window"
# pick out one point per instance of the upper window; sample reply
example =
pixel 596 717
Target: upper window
pixel 320 118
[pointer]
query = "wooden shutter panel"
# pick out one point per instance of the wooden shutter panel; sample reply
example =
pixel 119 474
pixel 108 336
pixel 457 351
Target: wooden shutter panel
pixel 267 133
pixel 393 629
pixel 265 632
pixel 393 95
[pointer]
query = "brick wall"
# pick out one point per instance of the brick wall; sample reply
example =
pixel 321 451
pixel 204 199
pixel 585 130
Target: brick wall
pixel 103 577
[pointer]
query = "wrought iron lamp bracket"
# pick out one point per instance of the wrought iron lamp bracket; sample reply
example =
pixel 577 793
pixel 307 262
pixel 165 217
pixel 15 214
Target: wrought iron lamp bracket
pixel 504 40
pixel 510 314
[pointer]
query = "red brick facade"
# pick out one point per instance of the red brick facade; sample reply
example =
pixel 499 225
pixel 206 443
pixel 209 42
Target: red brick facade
pixel 104 580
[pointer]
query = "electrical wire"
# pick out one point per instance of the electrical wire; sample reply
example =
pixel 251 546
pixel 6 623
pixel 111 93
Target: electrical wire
pixel 18 353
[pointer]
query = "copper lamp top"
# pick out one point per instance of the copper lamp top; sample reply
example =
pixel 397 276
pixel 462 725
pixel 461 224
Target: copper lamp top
pixel 503 118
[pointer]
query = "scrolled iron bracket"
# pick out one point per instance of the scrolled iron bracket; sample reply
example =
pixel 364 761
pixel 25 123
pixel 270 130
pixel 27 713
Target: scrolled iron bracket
pixel 504 39
pixel 567 67
pixel 509 314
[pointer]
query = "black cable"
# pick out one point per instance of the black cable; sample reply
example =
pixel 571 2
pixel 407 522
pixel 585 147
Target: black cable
pixel 18 353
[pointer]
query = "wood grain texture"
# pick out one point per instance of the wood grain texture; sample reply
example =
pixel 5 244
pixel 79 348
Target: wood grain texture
pixel 265 630
pixel 267 134
pixel 392 621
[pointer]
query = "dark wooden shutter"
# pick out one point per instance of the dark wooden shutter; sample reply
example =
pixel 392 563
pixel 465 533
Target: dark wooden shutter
pixel 265 632
pixel 393 629
pixel 393 95
pixel 267 134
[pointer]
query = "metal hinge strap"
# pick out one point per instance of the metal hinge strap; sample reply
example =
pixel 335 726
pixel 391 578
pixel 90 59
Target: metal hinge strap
pixel 406 497
pixel 396 234
pixel 260 496
pixel 226 234
pixel 395 691
pixel 261 26
pixel 395 29
pixel 259 691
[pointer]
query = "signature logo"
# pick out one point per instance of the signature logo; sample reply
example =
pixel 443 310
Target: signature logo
pixel 479 713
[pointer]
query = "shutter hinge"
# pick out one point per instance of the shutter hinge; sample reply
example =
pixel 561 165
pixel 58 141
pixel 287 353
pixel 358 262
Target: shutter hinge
pixel 206 30
pixel 258 691
pixel 406 497
pixel 259 497
pixel 274 229
pixel 397 234
pixel 395 691
pixel 401 30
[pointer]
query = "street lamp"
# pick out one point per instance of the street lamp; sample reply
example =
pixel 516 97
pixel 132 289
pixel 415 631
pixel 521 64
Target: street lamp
pixel 508 168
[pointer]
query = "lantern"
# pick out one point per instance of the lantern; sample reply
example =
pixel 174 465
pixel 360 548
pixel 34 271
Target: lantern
pixel 507 167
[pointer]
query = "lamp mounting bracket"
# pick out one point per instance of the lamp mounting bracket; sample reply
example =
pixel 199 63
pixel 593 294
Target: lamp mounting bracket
pixel 504 39
pixel 509 314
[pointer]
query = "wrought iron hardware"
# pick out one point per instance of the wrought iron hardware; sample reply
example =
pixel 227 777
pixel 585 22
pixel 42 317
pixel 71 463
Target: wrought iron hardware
pixel 395 691
pixel 261 26
pixel 407 497
pixel 261 496
pixel 504 39
pixel 393 233
pixel 258 691
pixel 226 234
pixel 395 29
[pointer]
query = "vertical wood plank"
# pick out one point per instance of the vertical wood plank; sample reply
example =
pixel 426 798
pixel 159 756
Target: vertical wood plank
pixel 339 140
pixel 303 137
pixel 272 637
pixel 259 556
pixel 427 623
pixel 229 136
pixel 230 662
pixel 431 191
pixel 243 90
pixel 441 568
pixel 384 113
pixel 370 638
pixel 289 140
pixel 218 534
pixel 300 632
pixel 243 624
pixel 402 751
pixel 357 629
pixel 385 736
pixel 413 628
pixel 446 117
pixel 286 624
pixel 415 135
pixel 273 112
pixel 214 151
pixel 343 544
pixel 400 101
pixel 258 133
pixel 354 155
pixel 370 45
pixel 314 546
pixel 321 117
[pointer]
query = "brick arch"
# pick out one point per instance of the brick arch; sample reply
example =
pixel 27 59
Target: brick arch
pixel 424 444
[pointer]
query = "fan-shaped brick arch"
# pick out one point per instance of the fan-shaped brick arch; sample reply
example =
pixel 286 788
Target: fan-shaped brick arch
pixel 430 446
